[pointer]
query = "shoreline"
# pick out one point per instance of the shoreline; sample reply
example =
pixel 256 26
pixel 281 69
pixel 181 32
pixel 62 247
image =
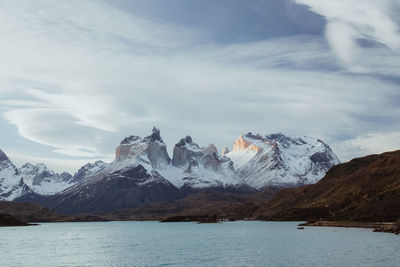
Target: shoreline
pixel 387 227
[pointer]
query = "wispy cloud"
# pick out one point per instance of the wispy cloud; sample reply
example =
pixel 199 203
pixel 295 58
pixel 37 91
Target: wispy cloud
pixel 81 75
pixel 351 21
pixel 369 143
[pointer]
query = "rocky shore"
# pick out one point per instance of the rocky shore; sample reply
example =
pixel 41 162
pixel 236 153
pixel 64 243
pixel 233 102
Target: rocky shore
pixel 199 219
pixel 389 227
pixel 393 228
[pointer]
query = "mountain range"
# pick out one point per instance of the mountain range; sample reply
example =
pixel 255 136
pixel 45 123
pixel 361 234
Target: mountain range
pixel 143 172
pixel 364 192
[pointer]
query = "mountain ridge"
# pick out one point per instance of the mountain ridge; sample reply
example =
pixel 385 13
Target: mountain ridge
pixel 276 159
pixel 363 189
pixel 364 192
pixel 143 172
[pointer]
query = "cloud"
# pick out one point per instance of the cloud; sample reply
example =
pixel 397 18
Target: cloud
pixel 80 76
pixel 369 143
pixel 57 164
pixel 55 128
pixel 350 21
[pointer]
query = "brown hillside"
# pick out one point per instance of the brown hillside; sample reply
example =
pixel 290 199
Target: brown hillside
pixel 364 189
pixel 209 203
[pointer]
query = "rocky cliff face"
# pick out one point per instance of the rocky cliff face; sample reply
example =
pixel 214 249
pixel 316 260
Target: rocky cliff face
pixel 191 167
pixel 149 150
pixel 195 168
pixel 142 172
pixel 279 160
pixel 184 151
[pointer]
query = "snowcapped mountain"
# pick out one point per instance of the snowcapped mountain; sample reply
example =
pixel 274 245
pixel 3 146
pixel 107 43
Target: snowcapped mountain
pixel 195 167
pixel 143 172
pixel 42 180
pixel 279 160
pixel 110 190
pixel 190 167
pixel 11 183
pixel 88 170
pixel 129 181
pixel 38 179
pixel 151 151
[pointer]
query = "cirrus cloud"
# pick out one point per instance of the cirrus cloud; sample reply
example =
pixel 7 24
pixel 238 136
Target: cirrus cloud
pixel 352 20
pixel 82 75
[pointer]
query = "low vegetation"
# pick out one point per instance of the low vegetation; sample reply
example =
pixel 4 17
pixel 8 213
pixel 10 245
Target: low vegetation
pixel 9 220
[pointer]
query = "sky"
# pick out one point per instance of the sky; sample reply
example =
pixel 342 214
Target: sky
pixel 76 77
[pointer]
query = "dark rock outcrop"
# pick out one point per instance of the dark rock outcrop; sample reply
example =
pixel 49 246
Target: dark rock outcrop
pixel 88 170
pixel 184 151
pixel 3 156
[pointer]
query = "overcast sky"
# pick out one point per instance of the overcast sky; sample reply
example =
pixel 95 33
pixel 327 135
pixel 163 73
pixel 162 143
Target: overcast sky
pixel 76 77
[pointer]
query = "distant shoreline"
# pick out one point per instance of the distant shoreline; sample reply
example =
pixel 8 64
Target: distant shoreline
pixel 388 227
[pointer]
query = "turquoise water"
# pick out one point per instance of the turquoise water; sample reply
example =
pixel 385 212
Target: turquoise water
pixel 192 244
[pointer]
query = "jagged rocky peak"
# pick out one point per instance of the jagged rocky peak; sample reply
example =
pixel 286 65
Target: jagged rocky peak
pixel 323 156
pixel 3 156
pixel 6 166
pixel 184 151
pixel 286 141
pixel 225 151
pixel 210 149
pixel 131 140
pixel 188 143
pixel 65 176
pixel 197 168
pixel 243 143
pixel 11 183
pixel 280 160
pixel 211 161
pixel 257 142
pixel 88 170
pixel 150 149
pixel 155 136
pixel 43 180
pixel 29 179
pixel 27 166
pixel 187 153
pixel 37 173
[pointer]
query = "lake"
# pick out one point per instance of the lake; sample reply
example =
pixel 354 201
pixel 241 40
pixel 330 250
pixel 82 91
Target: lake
pixel 243 243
